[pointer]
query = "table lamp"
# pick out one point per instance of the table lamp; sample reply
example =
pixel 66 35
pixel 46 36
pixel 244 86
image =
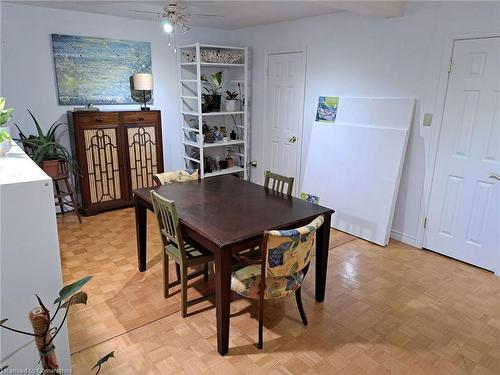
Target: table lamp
pixel 143 82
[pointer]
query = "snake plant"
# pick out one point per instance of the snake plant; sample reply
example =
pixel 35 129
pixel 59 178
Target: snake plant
pixel 43 146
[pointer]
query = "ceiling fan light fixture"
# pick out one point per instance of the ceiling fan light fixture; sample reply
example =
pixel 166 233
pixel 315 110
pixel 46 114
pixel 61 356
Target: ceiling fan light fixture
pixel 167 26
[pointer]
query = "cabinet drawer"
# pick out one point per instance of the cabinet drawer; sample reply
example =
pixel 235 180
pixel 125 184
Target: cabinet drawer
pixel 98 118
pixel 138 117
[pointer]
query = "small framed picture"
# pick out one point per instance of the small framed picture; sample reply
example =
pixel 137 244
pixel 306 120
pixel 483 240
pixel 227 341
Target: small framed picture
pixel 309 198
pixel 327 109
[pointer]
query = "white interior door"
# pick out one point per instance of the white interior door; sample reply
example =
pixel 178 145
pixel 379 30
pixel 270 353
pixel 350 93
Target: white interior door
pixel 284 113
pixel 463 217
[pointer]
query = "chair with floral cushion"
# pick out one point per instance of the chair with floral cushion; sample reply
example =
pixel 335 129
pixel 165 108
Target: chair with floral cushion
pixel 275 182
pixel 286 255
pixel 186 254
pixel 182 175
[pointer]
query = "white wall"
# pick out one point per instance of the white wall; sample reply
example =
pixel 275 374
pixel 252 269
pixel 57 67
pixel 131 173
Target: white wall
pixel 28 79
pixel 353 55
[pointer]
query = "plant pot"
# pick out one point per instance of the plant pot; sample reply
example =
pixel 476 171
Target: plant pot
pixel 223 164
pixel 51 167
pixel 5 140
pixel 212 103
pixel 231 105
pixel 230 162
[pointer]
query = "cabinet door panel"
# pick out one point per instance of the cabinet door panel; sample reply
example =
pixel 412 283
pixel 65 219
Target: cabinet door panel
pixel 142 154
pixel 102 164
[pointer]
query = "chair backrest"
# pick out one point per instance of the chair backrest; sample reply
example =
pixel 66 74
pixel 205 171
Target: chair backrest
pixel 182 175
pixel 278 182
pixel 168 223
pixel 286 252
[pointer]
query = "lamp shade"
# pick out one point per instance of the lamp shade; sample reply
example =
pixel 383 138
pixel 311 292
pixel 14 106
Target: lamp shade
pixel 143 81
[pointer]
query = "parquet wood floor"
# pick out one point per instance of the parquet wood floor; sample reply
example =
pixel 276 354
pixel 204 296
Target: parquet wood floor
pixel 393 310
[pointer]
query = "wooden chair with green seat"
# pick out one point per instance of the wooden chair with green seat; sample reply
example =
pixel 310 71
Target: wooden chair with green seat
pixel 278 182
pixel 184 254
pixel 286 255
pixel 182 175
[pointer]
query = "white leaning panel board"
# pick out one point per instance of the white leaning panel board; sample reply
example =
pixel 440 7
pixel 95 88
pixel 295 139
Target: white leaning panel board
pixel 354 165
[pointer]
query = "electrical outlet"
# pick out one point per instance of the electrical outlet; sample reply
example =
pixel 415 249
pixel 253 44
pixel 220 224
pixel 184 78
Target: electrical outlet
pixel 427 119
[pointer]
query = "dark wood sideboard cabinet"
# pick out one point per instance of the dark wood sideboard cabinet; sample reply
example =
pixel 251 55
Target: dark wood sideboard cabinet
pixel 116 152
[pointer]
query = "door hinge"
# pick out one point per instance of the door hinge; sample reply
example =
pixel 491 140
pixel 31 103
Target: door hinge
pixel 425 223
pixel 450 66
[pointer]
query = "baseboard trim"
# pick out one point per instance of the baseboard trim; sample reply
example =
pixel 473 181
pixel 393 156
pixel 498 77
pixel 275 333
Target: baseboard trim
pixel 405 238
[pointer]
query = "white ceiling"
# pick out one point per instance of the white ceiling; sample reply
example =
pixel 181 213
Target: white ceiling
pixel 235 14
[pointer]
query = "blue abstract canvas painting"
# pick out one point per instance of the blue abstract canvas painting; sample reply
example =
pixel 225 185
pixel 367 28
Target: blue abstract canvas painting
pixel 97 70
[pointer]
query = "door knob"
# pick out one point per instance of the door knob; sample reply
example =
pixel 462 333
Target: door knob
pixel 495 176
pixel 293 139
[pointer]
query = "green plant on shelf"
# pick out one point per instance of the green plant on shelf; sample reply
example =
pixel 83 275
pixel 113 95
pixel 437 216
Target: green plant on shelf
pixel 5 117
pixel 231 95
pixel 212 85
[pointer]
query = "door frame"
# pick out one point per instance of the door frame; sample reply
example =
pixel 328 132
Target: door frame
pixel 441 97
pixel 278 51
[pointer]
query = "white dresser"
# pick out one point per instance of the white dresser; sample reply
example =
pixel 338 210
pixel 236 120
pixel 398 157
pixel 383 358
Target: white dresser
pixel 29 257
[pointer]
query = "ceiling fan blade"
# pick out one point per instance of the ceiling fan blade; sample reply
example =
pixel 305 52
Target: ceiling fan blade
pixel 144 11
pixel 204 15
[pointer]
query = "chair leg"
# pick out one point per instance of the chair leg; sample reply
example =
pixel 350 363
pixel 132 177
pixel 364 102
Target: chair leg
pixel 184 287
pixel 178 271
pixel 298 298
pixel 205 273
pixel 165 275
pixel 59 198
pixel 69 189
pixel 261 323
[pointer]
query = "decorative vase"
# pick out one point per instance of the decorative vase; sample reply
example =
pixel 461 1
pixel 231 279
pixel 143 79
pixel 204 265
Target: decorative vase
pixel 6 144
pixel 51 167
pixel 230 162
pixel 231 105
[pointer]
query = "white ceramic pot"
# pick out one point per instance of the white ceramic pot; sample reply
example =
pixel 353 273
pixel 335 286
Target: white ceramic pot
pixel 231 105
pixel 5 145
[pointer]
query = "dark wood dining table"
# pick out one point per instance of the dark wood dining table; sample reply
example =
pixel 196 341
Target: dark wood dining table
pixel 226 214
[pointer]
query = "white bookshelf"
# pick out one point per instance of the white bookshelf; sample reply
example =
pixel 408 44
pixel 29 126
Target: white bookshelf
pixel 235 78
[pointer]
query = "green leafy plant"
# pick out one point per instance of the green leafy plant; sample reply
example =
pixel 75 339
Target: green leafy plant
pixel 231 95
pixel 68 296
pixel 43 146
pixel 212 85
pixel 5 117
pixel 102 361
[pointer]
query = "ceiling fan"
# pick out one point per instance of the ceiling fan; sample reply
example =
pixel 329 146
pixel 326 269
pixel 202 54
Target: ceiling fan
pixel 175 16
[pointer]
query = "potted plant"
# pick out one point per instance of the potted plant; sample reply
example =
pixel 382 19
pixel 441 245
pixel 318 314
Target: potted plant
pixel 231 101
pixel 229 158
pixel 44 332
pixel 212 97
pixel 44 150
pixel 5 116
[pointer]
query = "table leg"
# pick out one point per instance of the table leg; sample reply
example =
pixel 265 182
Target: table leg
pixel 322 245
pixel 141 230
pixel 222 298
